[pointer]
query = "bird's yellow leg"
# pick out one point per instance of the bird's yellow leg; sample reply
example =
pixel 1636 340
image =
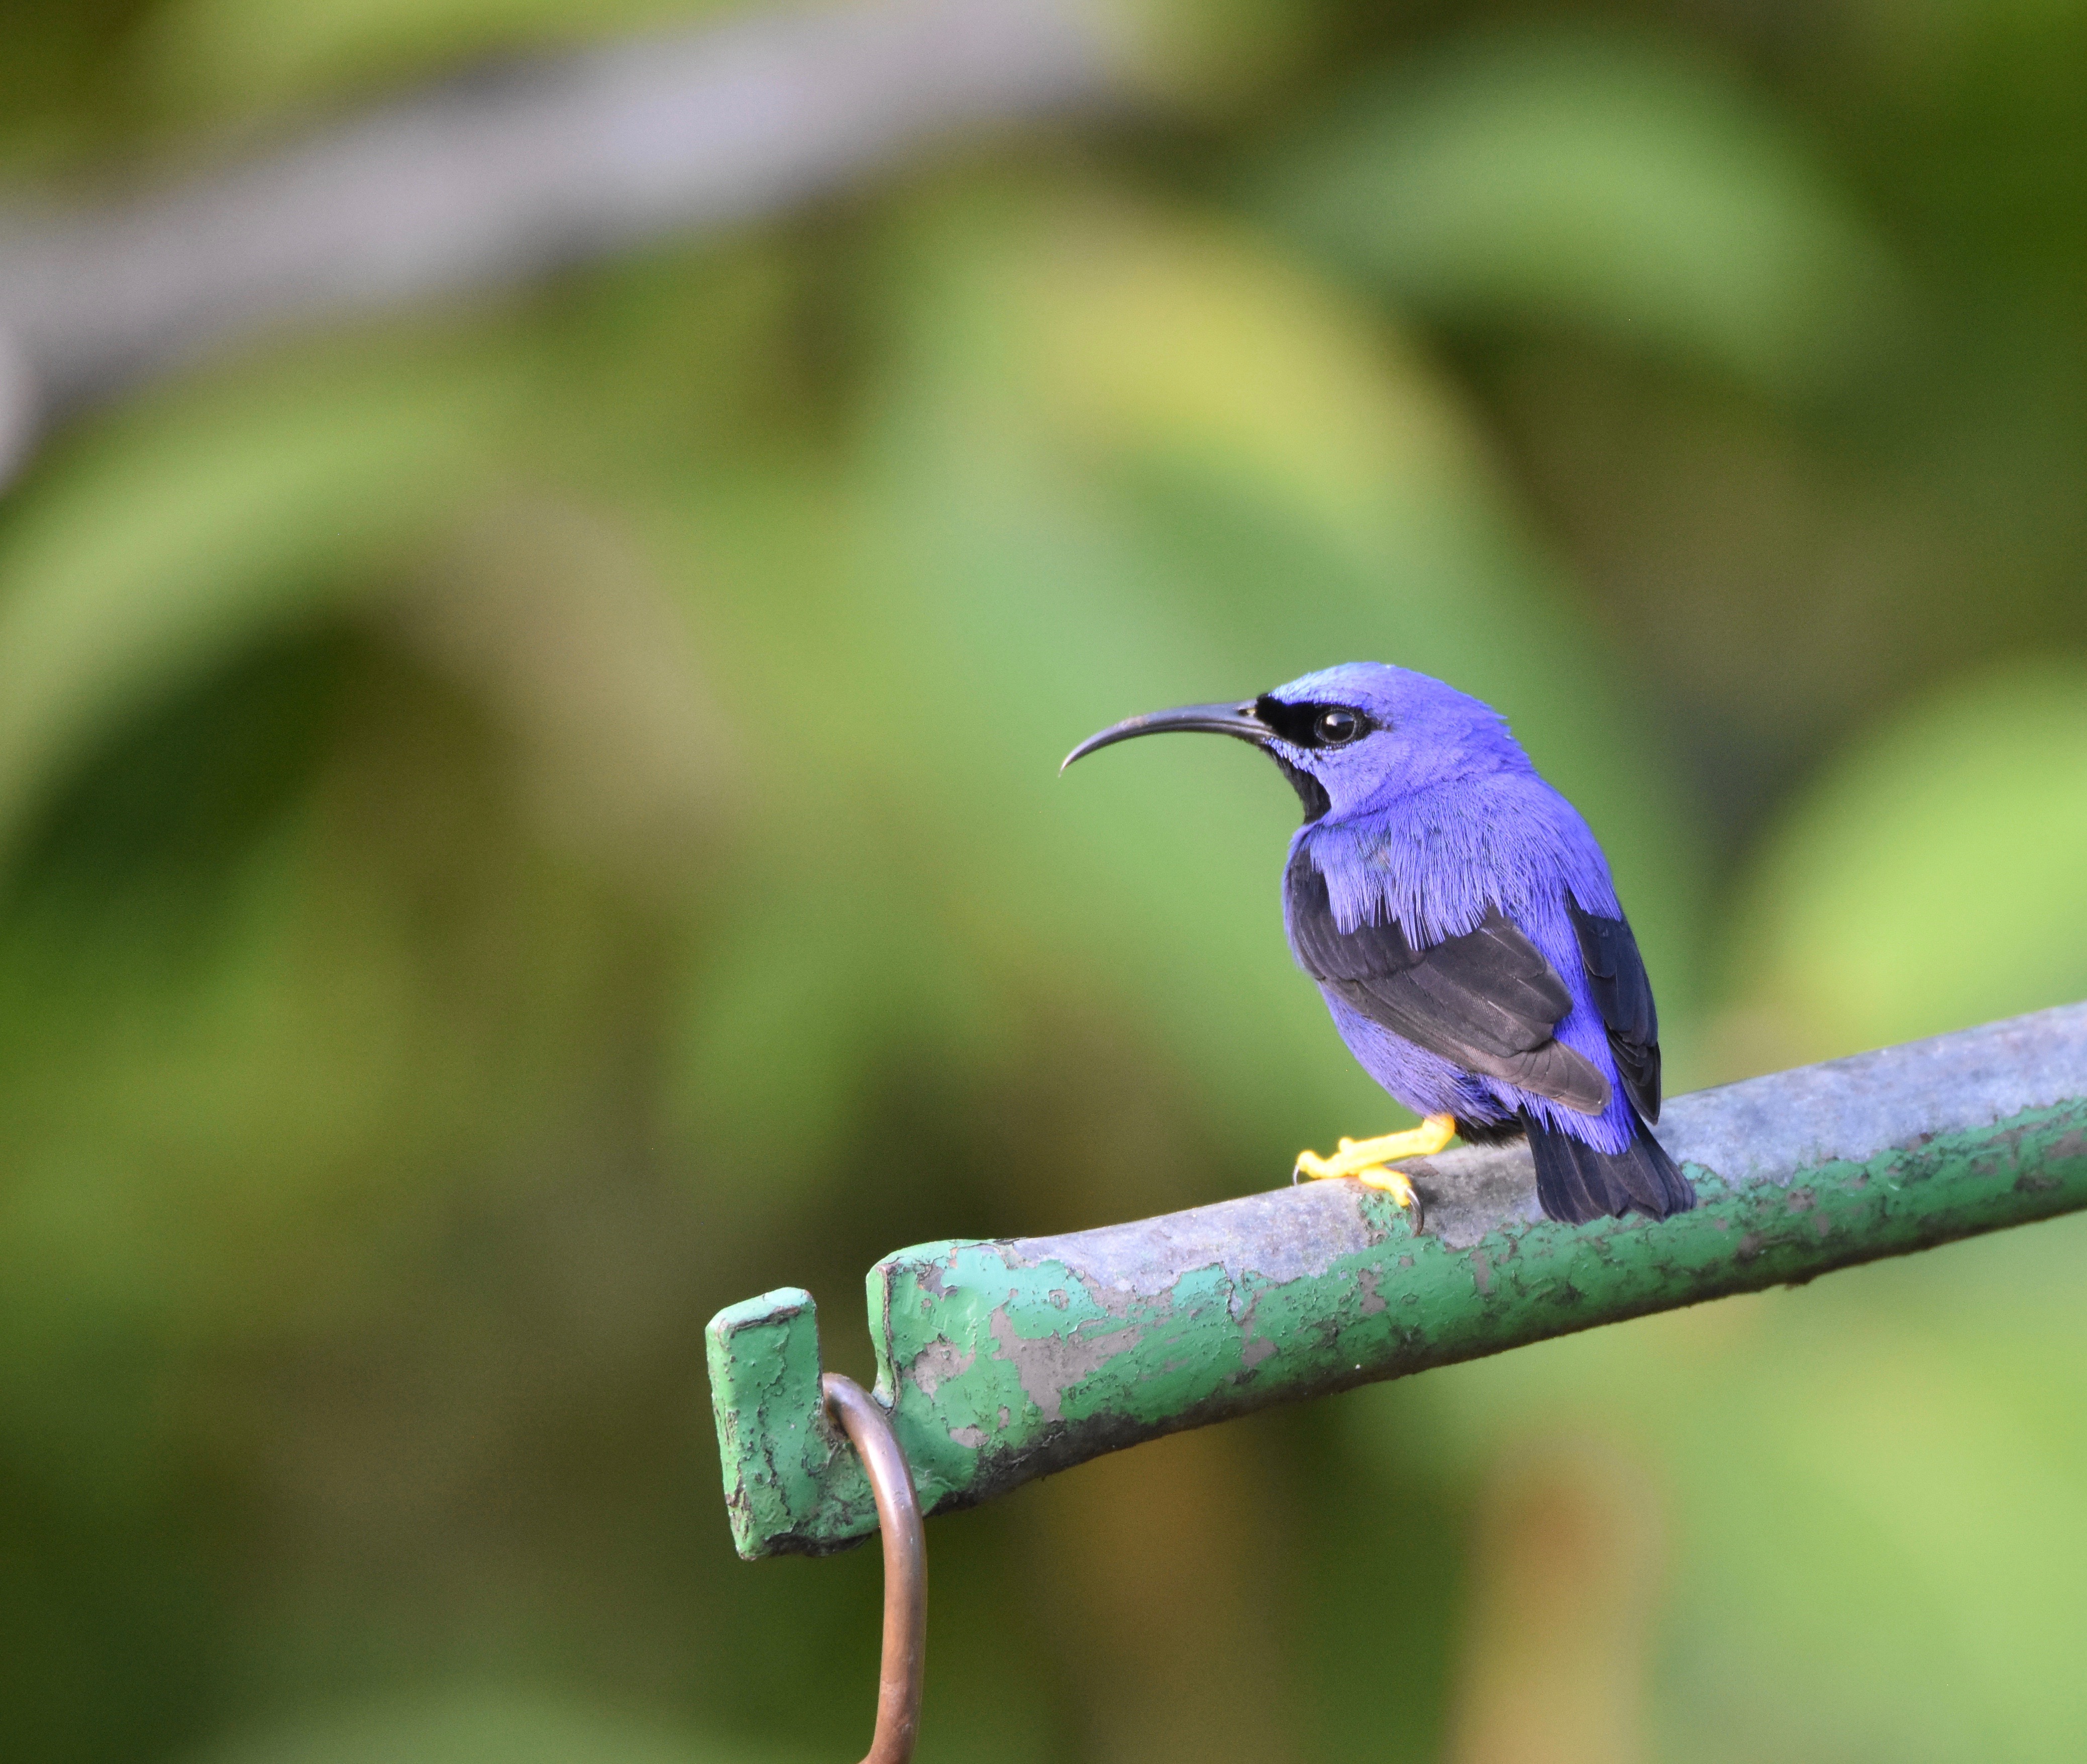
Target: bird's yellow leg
pixel 1365 1159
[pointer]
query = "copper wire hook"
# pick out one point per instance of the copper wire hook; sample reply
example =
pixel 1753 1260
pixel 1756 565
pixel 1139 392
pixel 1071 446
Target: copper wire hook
pixel 862 1418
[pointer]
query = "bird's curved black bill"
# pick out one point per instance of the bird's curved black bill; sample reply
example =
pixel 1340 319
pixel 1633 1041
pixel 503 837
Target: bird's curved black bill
pixel 1235 719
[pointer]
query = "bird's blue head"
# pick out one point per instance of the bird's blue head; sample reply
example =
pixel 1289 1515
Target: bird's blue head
pixel 1350 739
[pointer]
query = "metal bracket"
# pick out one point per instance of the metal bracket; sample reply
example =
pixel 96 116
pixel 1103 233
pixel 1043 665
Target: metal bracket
pixel 1002 1361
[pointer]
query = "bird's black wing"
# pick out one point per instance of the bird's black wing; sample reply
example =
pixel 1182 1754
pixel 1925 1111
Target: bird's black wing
pixel 1624 998
pixel 1487 1000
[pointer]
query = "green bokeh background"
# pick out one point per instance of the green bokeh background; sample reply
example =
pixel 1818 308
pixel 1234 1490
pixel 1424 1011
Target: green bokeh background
pixel 527 822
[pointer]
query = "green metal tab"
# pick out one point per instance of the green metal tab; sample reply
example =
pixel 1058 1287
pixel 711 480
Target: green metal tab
pixel 787 1468
pixel 1006 1360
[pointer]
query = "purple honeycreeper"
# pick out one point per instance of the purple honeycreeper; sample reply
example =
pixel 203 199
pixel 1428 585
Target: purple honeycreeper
pixel 1460 919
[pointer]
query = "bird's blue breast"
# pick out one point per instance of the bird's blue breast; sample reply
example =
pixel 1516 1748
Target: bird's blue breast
pixel 1435 859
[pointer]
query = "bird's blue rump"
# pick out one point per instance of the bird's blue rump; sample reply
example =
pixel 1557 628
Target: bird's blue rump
pixel 1460 919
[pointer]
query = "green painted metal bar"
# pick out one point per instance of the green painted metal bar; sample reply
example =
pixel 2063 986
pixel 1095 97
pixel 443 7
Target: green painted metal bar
pixel 1002 1361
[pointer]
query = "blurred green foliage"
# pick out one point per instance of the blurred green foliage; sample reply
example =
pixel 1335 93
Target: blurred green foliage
pixel 525 823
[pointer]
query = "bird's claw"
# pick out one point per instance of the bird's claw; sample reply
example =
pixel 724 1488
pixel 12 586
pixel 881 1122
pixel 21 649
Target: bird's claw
pixel 1395 1183
pixel 1367 1160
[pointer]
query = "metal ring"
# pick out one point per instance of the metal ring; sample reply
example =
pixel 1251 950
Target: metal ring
pixel 862 1418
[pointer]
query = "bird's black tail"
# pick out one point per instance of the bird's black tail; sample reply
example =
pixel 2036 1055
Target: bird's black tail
pixel 1576 1183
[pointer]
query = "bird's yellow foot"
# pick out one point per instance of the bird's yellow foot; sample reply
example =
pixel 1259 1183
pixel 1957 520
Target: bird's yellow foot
pixel 1365 1159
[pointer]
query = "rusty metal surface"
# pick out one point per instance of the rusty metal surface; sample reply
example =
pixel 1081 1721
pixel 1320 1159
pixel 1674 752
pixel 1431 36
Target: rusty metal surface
pixel 1002 1361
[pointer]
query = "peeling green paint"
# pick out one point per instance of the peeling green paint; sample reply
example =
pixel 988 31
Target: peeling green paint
pixel 1007 1361
pixel 782 1457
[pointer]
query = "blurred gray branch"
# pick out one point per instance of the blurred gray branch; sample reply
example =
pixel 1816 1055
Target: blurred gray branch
pixel 517 169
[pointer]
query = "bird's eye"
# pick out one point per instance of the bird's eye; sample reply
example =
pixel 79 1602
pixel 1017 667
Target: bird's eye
pixel 1335 728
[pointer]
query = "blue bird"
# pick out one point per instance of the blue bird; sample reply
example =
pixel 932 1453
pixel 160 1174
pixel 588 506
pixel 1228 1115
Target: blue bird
pixel 1460 919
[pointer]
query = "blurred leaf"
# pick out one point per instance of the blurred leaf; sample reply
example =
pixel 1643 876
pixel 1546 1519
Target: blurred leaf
pixel 545 612
pixel 1875 1489
pixel 1206 57
pixel 395 987
pixel 1930 879
pixel 172 541
pixel 144 846
pixel 813 987
pixel 515 1726
pixel 1593 182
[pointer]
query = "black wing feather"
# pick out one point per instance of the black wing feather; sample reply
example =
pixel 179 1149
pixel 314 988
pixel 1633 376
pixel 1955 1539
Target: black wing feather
pixel 1487 1000
pixel 1624 995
